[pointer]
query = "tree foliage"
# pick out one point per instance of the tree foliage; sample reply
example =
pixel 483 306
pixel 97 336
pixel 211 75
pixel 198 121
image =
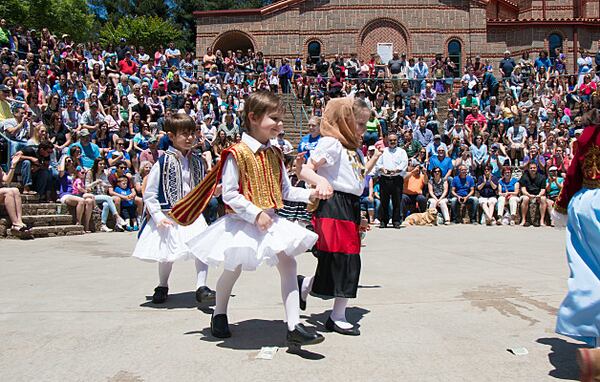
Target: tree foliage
pixel 59 16
pixel 148 31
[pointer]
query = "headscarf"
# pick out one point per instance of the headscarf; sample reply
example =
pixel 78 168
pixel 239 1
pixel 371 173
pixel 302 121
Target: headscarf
pixel 339 123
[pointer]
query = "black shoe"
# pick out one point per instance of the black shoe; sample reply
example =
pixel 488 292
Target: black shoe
pixel 302 302
pixel 160 295
pixel 382 225
pixel 219 327
pixel 205 294
pixel 331 326
pixel 300 336
pixel 397 225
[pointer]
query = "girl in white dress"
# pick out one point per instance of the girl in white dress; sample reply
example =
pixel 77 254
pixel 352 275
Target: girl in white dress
pixel 161 239
pixel 254 184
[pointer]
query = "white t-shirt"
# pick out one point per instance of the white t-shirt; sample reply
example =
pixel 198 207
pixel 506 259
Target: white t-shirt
pixel 340 171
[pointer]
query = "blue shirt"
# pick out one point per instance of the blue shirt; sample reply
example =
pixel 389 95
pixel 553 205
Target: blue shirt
pixel 308 143
pixel 88 153
pixel 508 187
pixel 127 191
pixel 445 164
pixel 463 186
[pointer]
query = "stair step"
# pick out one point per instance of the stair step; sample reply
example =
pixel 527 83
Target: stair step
pixel 43 208
pixel 28 198
pixel 48 220
pixel 58 230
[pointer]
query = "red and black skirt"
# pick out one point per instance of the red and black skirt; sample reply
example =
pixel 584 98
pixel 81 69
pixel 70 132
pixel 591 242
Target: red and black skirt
pixel 337 222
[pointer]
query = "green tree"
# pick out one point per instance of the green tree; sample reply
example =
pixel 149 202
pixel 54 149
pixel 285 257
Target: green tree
pixel 148 31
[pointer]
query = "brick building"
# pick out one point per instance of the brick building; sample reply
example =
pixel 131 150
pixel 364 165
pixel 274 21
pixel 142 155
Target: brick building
pixel 421 28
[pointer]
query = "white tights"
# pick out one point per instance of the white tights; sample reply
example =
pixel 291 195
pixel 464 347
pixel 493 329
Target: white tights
pixel 289 289
pixel 338 313
pixel 164 271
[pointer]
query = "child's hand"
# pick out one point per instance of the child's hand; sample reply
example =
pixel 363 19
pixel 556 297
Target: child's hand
pixel 264 221
pixel 324 190
pixel 165 223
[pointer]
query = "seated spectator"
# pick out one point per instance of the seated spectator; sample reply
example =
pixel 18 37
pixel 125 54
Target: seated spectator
pixel 152 153
pixel 516 137
pixel 97 184
pixel 442 162
pixel 90 120
pixel 373 130
pixel 89 151
pixel 553 186
pixel 121 170
pixel 463 194
pixel 126 196
pixel 534 156
pixel 423 135
pixel 84 203
pixel 11 199
pixel 487 185
pixel 37 175
pixel 475 117
pixel 480 155
pixel 368 201
pixel 415 181
pixel 438 193
pixel 508 190
pixel 533 188
pixel 410 145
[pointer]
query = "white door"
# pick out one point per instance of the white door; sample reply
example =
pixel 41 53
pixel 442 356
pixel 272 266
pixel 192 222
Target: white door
pixel 385 50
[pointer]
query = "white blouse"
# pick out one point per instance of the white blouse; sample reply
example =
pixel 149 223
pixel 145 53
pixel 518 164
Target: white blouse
pixel 340 170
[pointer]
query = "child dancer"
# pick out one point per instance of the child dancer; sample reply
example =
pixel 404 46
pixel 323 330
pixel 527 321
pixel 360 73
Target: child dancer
pixel 254 182
pixel 337 162
pixel 172 176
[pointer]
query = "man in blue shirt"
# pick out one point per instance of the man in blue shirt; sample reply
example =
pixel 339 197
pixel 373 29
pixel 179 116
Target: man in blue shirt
pixel 463 191
pixel 310 140
pixel 89 151
pixel 442 162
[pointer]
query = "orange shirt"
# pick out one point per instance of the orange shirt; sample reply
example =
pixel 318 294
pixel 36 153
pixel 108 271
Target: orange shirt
pixel 414 184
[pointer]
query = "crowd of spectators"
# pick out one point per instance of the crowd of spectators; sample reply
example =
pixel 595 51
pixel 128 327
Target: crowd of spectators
pixel 82 123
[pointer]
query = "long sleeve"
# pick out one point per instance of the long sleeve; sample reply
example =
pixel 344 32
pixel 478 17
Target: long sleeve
pixel 231 194
pixel 151 194
pixel 291 193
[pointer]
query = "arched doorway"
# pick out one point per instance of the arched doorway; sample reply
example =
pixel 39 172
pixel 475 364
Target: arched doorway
pixel 382 36
pixel 233 40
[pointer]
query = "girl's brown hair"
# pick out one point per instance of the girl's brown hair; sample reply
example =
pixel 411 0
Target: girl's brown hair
pixel 260 103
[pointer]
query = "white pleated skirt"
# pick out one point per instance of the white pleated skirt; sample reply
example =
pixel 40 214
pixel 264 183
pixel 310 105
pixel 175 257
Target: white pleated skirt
pixel 167 244
pixel 232 242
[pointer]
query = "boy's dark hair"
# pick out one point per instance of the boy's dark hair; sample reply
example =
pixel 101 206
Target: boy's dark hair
pixel 179 123
pixel 122 178
pixel 46 145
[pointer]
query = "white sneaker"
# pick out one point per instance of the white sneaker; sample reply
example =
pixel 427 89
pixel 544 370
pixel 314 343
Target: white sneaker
pixel 104 228
pixel 120 222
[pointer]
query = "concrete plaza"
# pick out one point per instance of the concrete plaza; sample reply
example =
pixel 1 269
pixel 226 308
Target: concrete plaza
pixel 435 304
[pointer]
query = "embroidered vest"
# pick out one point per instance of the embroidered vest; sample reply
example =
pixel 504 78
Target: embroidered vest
pixel 170 187
pixel 260 175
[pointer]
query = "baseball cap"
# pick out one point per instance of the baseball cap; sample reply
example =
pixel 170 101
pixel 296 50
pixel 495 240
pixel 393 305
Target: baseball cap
pixel 84 133
pixel 437 136
pixel 153 139
pixel 4 88
pixel 553 168
pixel 495 146
pixel 372 147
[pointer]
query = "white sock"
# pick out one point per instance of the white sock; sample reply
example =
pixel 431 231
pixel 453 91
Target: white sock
pixel 307 284
pixel 164 270
pixel 224 288
pixel 289 289
pixel 338 313
pixel 201 273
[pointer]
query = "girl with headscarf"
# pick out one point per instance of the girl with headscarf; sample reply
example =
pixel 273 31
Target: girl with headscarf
pixel 337 166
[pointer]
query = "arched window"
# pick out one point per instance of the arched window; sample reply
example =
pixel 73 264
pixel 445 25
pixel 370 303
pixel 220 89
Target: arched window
pixel 554 41
pixel 314 49
pixel 455 55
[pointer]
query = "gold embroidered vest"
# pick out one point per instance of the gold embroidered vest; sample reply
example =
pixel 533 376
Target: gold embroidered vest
pixel 260 175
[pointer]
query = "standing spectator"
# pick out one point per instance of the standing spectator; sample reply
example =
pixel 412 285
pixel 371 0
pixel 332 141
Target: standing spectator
pixel 285 74
pixel 533 188
pixel 487 185
pixel 463 194
pixel 391 167
pixel 438 193
pixel 507 65
pixel 173 55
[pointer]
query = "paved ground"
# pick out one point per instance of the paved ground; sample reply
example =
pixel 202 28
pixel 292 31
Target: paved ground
pixel 436 304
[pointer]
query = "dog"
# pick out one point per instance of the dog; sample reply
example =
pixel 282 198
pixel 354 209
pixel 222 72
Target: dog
pixel 428 217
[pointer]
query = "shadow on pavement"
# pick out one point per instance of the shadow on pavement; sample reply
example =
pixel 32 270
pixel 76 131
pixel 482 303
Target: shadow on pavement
pixel 353 314
pixel 253 335
pixel 183 300
pixel 562 357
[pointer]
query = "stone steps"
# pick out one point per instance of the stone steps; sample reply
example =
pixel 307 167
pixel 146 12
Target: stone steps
pixel 52 231
pixel 48 220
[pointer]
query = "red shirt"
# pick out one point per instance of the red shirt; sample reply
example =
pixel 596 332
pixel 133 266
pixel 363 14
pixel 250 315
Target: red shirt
pixel 127 67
